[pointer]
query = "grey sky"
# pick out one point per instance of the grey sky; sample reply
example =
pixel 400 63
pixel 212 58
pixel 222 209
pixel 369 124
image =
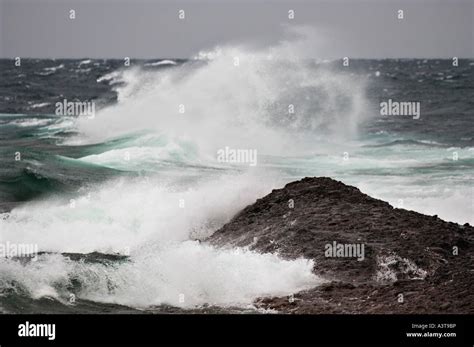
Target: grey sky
pixel 151 29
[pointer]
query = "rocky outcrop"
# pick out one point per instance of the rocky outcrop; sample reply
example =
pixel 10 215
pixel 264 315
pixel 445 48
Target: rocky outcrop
pixel 411 263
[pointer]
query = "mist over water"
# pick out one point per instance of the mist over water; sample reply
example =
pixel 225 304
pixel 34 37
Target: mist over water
pixel 238 98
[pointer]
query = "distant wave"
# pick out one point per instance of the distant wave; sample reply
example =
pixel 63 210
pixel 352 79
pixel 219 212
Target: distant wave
pixel 39 105
pixel 85 62
pixel 408 142
pixel 161 62
pixel 50 70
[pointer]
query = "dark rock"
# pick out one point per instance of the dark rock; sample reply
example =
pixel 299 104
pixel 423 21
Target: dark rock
pixel 406 248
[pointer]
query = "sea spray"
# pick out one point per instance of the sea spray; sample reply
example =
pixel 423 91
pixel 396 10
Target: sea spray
pixel 276 105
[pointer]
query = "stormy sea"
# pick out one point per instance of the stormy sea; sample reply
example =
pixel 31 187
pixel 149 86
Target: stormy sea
pixel 119 202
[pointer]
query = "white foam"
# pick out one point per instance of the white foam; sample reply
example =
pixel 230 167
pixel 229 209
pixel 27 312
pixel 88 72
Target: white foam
pixel 391 266
pixel 185 275
pixel 143 217
pixel 130 212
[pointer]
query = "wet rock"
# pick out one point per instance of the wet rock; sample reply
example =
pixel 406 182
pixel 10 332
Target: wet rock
pixel 404 251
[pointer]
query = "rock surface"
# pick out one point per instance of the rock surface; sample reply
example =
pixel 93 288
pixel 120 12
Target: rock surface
pixel 413 263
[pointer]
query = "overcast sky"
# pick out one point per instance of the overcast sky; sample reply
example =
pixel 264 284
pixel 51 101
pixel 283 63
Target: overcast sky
pixel 152 29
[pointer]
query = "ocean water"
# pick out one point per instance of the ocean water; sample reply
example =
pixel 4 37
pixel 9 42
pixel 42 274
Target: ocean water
pixel 141 178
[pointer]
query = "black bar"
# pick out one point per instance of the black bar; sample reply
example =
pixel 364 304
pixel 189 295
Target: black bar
pixel 243 328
